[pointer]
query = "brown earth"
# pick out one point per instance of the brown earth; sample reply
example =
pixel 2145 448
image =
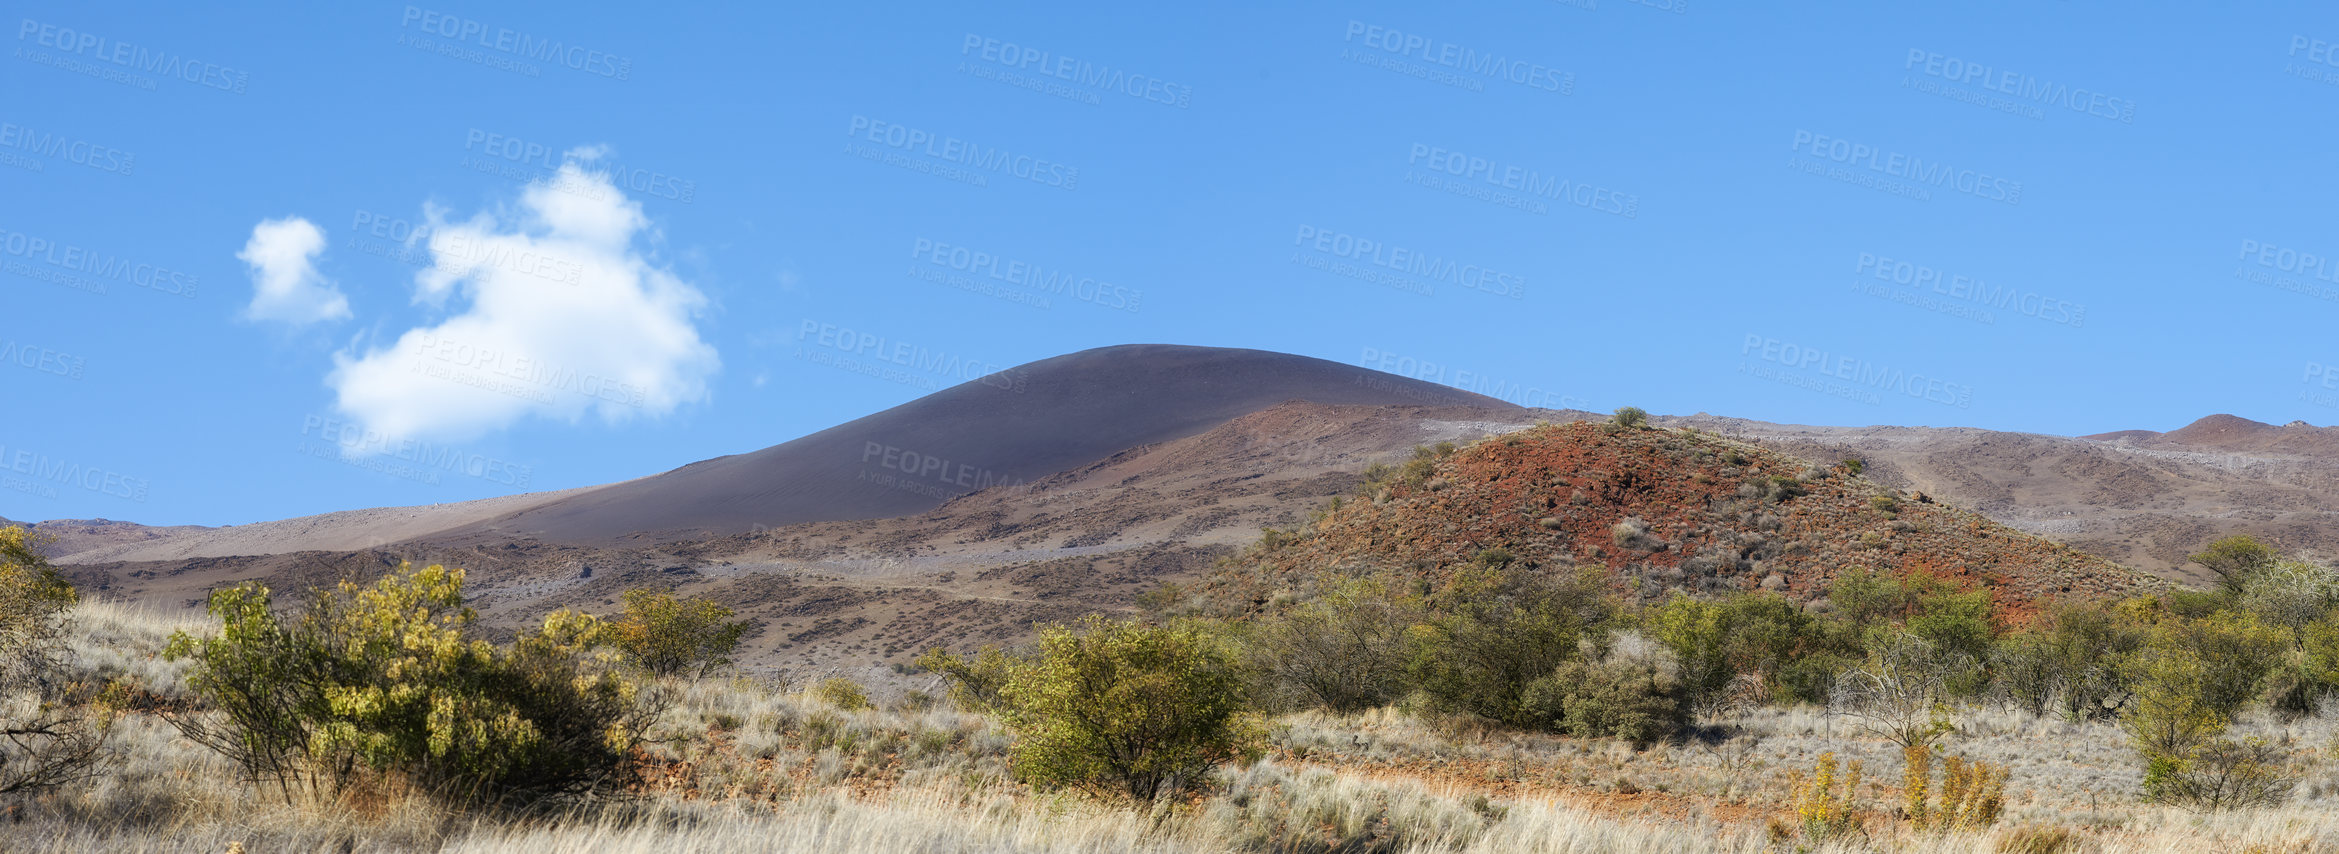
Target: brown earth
pixel 1665 510
pixel 2143 503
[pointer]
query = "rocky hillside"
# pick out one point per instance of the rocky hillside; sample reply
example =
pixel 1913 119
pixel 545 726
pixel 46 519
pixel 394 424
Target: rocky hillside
pixel 1662 510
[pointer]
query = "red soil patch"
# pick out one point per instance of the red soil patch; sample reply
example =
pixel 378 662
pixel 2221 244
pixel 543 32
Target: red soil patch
pixel 1699 513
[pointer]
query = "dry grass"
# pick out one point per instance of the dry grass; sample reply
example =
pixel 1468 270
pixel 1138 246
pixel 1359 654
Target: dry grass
pixel 747 766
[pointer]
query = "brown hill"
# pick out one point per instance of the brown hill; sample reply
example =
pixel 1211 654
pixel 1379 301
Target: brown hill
pixel 867 593
pixel 2235 434
pixel 1668 510
pixel 1002 430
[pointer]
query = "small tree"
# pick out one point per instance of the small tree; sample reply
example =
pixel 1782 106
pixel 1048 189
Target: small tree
pixel 1127 709
pixel 2234 559
pixel 669 636
pixel 44 741
pixel 2290 593
pixel 1630 417
pixel 2191 676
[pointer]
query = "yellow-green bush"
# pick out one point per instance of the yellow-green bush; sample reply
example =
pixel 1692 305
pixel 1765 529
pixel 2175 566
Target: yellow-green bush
pixel 670 636
pixel 385 686
pixel 975 681
pixel 842 693
pixel 1127 709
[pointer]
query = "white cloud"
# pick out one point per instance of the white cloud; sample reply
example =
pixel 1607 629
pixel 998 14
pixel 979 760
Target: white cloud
pixel 555 314
pixel 286 286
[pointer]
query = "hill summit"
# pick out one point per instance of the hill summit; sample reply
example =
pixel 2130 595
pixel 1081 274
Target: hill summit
pixel 1002 430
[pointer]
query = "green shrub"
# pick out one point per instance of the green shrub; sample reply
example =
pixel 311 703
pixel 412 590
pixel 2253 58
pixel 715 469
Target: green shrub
pixel 1854 465
pixel 974 682
pixel 1630 417
pixel 2222 774
pixel 1637 700
pixel 1715 642
pixel 668 636
pixel 385 687
pixel 1126 709
pixel 1492 632
pixel 1884 504
pixel 1343 650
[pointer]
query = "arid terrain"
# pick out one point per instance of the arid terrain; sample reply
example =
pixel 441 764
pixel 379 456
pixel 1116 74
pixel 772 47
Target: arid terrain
pixel 973 514
pixel 1034 505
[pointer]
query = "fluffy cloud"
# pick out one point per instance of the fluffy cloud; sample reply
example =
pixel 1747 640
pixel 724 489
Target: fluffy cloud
pixel 553 314
pixel 286 286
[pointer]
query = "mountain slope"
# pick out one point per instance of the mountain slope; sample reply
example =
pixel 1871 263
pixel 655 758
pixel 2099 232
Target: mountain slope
pixel 1003 430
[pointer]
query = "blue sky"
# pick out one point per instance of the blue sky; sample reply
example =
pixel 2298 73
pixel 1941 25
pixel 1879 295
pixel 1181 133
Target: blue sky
pixel 652 238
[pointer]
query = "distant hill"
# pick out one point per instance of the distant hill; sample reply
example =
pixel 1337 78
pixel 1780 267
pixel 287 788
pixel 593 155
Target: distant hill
pixel 2233 433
